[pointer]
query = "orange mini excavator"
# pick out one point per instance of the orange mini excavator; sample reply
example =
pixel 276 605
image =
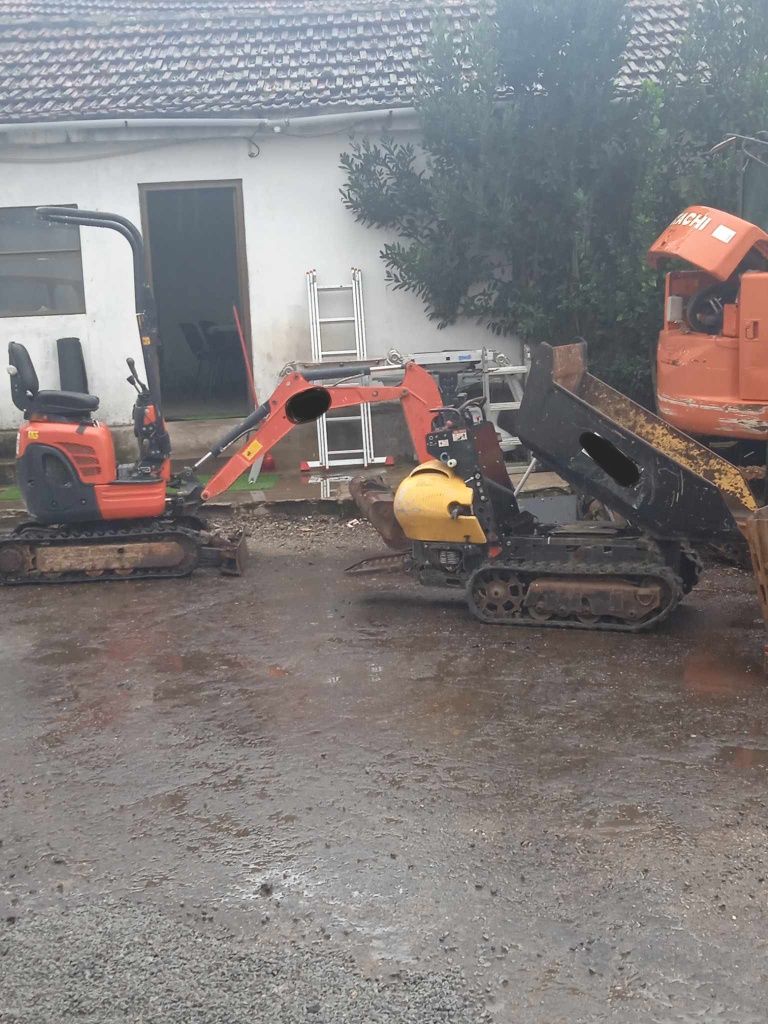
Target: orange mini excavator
pixel 712 356
pixel 94 519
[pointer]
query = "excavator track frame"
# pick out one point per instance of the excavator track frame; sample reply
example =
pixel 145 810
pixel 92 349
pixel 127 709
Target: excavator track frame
pixel 586 562
pixel 151 549
pixel 630 584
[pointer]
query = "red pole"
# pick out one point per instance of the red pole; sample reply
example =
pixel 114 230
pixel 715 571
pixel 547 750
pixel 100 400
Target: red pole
pixel 246 360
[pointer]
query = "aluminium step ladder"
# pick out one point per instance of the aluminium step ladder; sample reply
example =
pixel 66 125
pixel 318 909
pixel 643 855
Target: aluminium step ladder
pixel 496 366
pixel 353 350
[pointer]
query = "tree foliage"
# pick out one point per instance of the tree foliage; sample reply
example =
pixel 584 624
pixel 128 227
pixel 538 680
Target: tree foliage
pixel 532 213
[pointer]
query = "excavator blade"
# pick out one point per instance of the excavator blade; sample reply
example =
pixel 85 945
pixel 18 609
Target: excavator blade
pixel 229 553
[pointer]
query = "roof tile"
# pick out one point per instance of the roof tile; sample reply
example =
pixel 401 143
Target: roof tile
pixel 66 59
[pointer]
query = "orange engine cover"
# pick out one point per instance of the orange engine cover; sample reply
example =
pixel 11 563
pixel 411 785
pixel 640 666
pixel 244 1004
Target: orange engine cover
pixel 89 447
pixel 131 501
pixel 67 474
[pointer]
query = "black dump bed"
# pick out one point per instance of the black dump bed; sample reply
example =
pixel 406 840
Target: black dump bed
pixel 612 449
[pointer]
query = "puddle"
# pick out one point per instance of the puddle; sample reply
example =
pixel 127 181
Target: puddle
pixel 70 653
pixel 708 674
pixel 622 819
pixel 742 757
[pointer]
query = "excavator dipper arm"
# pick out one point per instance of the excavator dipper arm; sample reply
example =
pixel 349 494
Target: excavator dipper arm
pixel 302 399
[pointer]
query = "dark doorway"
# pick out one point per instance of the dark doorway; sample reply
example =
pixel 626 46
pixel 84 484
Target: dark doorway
pixel 195 245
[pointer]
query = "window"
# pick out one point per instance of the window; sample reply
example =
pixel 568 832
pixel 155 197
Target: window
pixel 41 272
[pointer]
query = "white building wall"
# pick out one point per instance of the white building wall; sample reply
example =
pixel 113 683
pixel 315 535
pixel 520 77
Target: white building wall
pixel 294 220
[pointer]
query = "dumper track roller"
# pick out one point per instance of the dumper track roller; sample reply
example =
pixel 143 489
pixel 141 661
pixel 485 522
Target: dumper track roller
pixel 627 597
pixel 77 554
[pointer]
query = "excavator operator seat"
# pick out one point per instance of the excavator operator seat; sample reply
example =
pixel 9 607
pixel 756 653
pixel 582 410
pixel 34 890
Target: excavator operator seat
pixel 27 396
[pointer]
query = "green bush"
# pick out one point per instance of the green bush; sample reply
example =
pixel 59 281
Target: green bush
pixel 532 213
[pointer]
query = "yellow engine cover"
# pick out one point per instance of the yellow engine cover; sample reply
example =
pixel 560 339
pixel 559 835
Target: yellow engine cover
pixel 423 504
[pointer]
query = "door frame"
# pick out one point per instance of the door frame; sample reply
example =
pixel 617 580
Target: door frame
pixel 241 255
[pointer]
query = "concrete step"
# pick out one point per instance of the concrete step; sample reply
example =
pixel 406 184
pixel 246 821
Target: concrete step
pixel 7 471
pixel 7 444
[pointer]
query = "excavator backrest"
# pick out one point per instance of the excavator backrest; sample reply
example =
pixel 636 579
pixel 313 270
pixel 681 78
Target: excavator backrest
pixel 24 382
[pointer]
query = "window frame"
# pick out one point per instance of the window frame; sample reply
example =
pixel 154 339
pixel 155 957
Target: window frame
pixel 46 252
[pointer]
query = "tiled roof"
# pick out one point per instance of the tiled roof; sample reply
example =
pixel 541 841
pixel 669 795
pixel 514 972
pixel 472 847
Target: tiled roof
pixel 77 59
pixel 656 28
pixel 88 59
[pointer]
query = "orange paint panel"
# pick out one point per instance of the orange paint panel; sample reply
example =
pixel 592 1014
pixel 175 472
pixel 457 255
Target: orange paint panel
pixel 698 387
pixel 90 449
pixel 131 501
pixel 753 337
pixel 730 320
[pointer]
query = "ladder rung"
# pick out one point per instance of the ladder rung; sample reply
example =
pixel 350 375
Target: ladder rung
pixel 334 288
pixel 340 352
pixel 336 320
pixel 343 419
pixel 345 451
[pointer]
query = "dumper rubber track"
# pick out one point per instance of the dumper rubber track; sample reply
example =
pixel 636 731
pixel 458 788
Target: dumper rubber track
pixel 627 596
pixel 33 553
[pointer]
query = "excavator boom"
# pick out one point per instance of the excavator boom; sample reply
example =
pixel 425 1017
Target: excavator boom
pixel 303 399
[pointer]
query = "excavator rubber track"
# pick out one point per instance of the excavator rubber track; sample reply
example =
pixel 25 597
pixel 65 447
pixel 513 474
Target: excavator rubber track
pixel 157 549
pixel 575 579
pixel 628 598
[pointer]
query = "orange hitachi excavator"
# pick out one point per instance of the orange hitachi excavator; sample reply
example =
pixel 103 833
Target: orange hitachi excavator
pixel 712 356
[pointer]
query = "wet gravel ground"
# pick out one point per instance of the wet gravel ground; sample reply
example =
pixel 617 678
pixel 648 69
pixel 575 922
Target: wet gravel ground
pixel 299 796
pixel 117 963
pixel 303 530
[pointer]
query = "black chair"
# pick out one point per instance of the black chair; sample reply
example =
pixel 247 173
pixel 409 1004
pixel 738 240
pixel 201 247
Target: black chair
pixel 198 346
pixel 27 396
pixel 224 347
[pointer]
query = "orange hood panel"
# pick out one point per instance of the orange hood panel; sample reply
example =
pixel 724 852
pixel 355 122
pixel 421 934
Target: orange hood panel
pixel 710 240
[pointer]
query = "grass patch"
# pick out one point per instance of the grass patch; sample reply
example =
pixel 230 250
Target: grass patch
pixel 265 481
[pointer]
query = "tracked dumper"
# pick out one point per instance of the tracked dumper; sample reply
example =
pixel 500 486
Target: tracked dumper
pixel 455 520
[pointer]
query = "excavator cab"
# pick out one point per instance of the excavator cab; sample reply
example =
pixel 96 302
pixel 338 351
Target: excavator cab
pixel 712 357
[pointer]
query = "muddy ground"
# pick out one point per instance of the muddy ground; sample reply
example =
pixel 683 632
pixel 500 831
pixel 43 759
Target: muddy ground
pixel 296 796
